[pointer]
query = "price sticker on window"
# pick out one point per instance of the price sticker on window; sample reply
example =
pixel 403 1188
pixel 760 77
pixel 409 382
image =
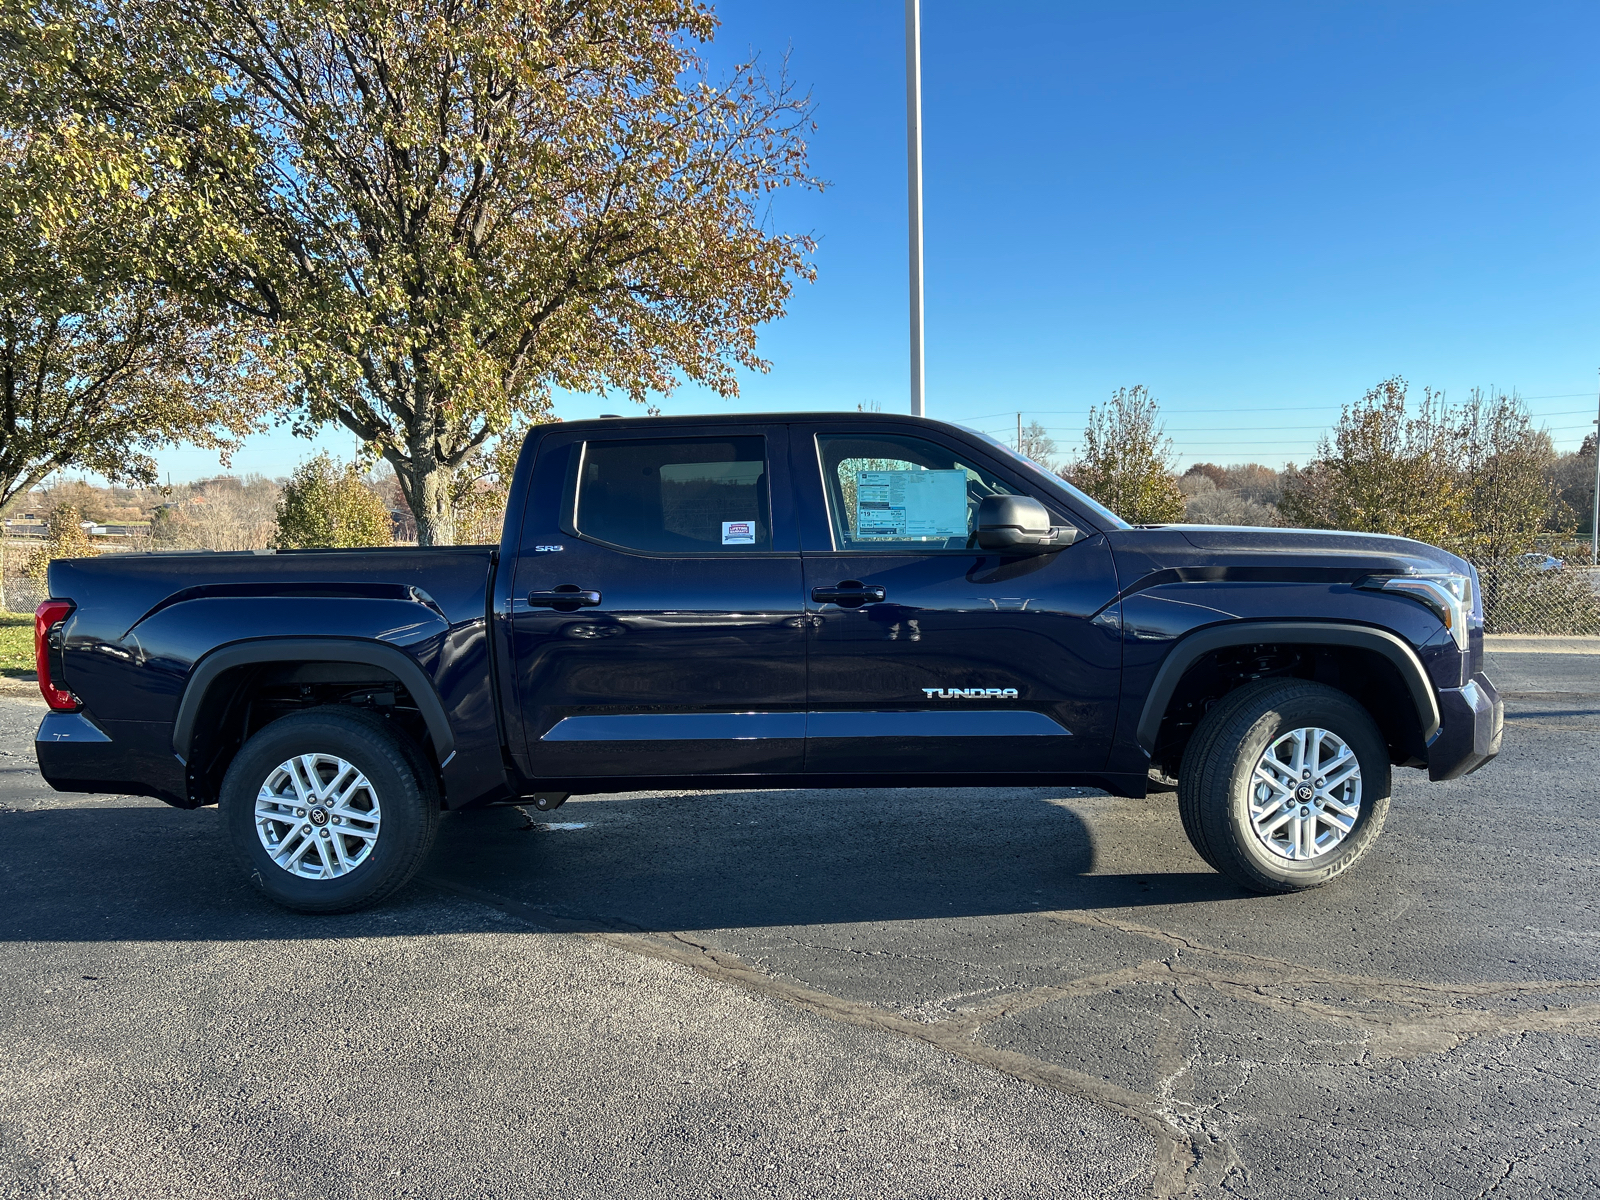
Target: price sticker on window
pixel 905 505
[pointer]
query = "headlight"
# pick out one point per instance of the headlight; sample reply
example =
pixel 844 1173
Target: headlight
pixel 1449 595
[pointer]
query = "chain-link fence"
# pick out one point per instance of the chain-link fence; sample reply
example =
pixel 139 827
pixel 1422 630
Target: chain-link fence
pixel 23 593
pixel 1539 594
pixel 20 592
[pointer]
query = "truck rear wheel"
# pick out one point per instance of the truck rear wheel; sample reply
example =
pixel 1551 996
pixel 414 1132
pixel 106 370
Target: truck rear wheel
pixel 329 810
pixel 1284 785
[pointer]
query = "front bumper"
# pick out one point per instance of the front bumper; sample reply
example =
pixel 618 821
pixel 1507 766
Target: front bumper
pixel 1471 720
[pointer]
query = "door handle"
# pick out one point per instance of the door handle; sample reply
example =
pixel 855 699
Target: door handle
pixel 850 593
pixel 567 597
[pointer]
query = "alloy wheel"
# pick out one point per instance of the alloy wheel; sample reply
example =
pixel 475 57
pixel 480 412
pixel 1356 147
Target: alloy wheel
pixel 317 816
pixel 1305 794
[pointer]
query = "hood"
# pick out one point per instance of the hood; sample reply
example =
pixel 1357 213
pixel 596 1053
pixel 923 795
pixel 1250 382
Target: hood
pixel 1224 551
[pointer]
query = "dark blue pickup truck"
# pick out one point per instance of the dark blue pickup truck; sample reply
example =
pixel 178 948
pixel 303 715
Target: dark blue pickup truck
pixel 775 601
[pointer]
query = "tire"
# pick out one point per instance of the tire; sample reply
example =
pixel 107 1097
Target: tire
pixel 338 856
pixel 1189 814
pixel 1273 836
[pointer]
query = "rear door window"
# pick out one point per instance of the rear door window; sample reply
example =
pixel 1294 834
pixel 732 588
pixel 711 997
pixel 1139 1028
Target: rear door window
pixel 680 496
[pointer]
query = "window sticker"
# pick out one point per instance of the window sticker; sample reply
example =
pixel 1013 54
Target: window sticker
pixel 738 533
pixel 911 504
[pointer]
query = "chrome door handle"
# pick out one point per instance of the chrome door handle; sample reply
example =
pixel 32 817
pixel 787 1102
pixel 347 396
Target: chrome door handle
pixel 568 596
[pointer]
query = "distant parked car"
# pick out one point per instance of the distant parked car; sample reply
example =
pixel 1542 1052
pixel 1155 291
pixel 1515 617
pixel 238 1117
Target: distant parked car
pixel 1543 562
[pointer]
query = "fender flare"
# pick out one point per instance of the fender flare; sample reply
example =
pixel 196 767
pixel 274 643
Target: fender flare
pixel 289 650
pixel 1194 646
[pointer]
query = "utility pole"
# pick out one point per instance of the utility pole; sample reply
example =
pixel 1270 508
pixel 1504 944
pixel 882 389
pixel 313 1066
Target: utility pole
pixel 914 190
pixel 1019 433
pixel 1594 514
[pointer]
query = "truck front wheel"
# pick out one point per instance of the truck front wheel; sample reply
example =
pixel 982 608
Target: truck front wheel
pixel 329 810
pixel 1284 785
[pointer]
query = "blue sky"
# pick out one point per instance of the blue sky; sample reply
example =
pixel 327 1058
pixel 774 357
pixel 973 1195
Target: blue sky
pixel 1257 210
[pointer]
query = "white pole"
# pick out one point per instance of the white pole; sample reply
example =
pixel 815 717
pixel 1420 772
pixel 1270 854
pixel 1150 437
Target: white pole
pixel 1594 514
pixel 914 190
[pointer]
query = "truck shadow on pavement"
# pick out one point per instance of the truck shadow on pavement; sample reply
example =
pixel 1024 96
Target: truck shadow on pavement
pixel 124 869
pixel 754 859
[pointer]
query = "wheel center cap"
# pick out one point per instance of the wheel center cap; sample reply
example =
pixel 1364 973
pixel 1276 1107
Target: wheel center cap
pixel 319 816
pixel 1304 792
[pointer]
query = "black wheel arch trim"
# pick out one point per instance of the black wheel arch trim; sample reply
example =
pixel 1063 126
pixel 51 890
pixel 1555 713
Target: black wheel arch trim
pixel 1194 646
pixel 279 650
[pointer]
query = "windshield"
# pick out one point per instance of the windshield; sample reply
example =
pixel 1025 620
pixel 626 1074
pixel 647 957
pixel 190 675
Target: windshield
pixel 1099 511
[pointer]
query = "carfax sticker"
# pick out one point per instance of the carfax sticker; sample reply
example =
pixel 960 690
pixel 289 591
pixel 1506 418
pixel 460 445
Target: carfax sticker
pixel 738 533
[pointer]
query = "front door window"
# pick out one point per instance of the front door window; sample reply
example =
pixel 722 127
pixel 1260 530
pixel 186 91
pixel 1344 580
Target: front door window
pixel 888 493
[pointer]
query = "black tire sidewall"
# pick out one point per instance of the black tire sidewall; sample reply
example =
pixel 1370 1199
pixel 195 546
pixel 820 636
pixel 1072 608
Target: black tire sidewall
pixel 409 807
pixel 1228 825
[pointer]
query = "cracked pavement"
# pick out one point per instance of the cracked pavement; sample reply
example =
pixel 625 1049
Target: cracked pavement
pixel 1012 992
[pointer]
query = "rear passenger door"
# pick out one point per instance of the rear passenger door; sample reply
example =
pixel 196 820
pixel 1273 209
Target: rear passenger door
pixel 682 647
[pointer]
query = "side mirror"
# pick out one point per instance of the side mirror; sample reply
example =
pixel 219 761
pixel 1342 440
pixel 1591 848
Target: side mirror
pixel 1020 525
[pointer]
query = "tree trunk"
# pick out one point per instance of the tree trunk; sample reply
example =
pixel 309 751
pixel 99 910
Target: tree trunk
pixel 436 522
pixel 426 484
pixel 427 489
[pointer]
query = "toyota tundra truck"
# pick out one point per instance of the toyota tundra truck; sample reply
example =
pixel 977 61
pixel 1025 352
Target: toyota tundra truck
pixel 806 601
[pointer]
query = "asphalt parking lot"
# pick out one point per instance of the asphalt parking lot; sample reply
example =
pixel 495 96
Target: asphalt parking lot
pixel 1015 992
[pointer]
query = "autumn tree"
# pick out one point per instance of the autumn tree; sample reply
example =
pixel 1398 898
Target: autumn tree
pixel 325 505
pixel 1036 443
pixel 1254 482
pixel 223 513
pixel 1572 479
pixel 443 210
pixel 100 362
pixel 1216 474
pixel 1126 460
pixel 1510 497
pixel 92 503
pixel 65 537
pixel 1207 504
pixel 1386 469
pixel 482 485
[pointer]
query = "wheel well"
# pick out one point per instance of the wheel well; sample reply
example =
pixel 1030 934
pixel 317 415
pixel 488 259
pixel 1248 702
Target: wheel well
pixel 245 699
pixel 1366 675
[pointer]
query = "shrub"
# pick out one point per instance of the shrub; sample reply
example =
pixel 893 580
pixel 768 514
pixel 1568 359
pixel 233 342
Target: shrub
pixel 1126 461
pixel 325 505
pixel 65 538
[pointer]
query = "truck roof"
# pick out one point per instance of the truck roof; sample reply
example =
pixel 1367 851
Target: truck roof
pixel 761 418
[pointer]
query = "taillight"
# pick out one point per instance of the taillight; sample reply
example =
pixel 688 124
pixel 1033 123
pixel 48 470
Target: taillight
pixel 47 620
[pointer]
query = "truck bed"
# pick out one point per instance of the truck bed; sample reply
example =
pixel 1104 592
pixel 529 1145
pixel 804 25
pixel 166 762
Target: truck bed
pixel 142 623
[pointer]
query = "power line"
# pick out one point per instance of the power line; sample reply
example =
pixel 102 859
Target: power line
pixel 1072 412
pixel 1171 430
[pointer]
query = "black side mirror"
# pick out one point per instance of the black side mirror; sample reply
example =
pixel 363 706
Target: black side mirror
pixel 1020 525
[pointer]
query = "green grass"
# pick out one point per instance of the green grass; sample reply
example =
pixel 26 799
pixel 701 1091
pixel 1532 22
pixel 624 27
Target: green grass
pixel 16 644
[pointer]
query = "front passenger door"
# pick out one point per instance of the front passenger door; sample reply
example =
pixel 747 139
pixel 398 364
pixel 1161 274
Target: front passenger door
pixel 927 655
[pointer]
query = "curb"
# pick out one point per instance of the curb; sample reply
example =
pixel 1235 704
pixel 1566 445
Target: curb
pixel 1539 643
